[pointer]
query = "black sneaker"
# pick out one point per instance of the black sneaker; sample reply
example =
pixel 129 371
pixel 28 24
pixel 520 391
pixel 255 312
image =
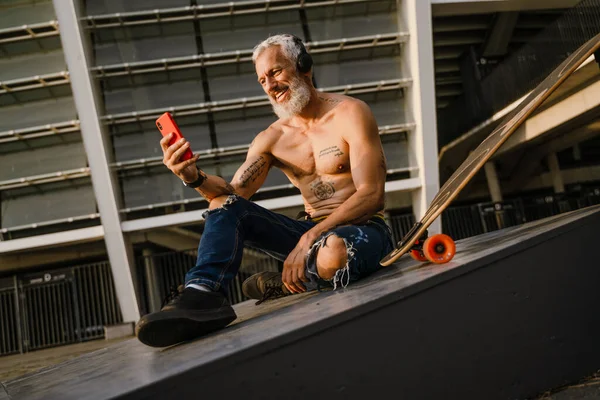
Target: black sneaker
pixel 265 285
pixel 188 314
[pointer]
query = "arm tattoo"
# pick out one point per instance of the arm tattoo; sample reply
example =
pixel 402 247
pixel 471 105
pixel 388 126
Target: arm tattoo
pixel 253 171
pixel 335 150
pixel 222 188
pixel 322 190
pixel 229 188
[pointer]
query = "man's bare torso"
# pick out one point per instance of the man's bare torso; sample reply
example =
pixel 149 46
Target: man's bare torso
pixel 316 159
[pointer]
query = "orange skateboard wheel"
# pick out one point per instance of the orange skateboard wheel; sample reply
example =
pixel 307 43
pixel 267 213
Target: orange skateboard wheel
pixel 418 255
pixel 439 249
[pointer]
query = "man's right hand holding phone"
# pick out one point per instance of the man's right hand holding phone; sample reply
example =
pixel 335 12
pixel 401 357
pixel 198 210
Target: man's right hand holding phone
pixel 185 170
pixel 179 158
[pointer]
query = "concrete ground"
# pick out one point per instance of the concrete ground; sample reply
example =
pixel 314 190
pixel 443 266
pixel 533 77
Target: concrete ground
pixel 587 389
pixel 20 364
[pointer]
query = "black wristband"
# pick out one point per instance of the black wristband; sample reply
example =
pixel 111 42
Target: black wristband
pixel 198 182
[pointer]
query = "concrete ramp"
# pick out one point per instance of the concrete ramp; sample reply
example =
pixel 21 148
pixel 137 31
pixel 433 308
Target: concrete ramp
pixel 514 314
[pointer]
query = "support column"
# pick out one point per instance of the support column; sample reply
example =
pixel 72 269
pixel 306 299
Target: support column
pixel 492 181
pixel 77 50
pixel 495 192
pixel 420 104
pixel 576 152
pixel 557 179
pixel 152 288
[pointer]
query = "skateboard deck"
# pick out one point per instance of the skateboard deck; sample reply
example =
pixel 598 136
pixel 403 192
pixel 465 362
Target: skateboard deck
pixel 413 240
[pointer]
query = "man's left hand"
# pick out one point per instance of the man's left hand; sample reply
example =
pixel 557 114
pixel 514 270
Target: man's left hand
pixel 294 268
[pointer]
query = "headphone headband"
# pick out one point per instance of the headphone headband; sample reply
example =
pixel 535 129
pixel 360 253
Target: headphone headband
pixel 304 62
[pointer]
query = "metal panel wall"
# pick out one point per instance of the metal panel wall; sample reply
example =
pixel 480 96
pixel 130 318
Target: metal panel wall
pixel 10 330
pixel 71 198
pixel 40 140
pixel 49 314
pixel 56 307
pixel 96 299
pixel 400 225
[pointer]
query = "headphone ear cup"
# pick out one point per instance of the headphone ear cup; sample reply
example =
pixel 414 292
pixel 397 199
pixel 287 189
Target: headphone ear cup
pixel 305 62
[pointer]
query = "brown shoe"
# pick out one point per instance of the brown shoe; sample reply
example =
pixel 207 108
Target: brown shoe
pixel 265 285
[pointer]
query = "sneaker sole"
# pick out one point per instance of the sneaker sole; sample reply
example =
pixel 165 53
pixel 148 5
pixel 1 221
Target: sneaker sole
pixel 158 330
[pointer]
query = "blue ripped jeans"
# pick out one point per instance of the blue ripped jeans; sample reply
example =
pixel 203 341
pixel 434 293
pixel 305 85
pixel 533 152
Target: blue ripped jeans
pixel 241 222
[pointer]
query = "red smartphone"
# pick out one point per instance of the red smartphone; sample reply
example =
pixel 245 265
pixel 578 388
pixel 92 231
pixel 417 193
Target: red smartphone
pixel 166 124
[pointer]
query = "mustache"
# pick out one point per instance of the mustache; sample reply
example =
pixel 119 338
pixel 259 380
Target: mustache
pixel 278 89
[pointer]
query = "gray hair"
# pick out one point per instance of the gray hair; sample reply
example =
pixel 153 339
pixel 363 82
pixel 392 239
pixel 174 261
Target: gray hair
pixel 286 42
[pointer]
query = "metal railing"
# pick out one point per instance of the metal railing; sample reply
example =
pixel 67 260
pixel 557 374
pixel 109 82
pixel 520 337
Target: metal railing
pixel 461 222
pixel 241 56
pixel 195 12
pixel 249 102
pixel 57 307
pixel 34 82
pixel 97 299
pixel 72 126
pixel 50 318
pixel 42 179
pixel 28 32
pixel 10 340
pixel 87 219
pixel 475 219
pixel 39 131
pixel 170 268
pixel 233 151
pixel 400 225
pixel 262 190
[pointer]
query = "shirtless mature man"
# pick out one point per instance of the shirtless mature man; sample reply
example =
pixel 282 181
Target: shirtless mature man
pixel 328 146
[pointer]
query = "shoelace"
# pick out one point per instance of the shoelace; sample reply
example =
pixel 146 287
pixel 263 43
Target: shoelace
pixel 273 290
pixel 173 294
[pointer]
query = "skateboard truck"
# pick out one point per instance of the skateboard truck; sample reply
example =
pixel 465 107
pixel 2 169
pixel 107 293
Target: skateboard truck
pixel 438 248
pixel 408 236
pixel 419 243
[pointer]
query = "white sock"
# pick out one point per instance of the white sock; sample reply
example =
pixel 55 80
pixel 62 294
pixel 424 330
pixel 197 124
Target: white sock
pixel 199 287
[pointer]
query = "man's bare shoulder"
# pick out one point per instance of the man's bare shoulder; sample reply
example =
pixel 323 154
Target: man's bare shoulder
pixel 344 105
pixel 266 139
pixel 354 118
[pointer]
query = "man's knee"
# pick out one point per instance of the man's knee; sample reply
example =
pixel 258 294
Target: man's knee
pixel 331 257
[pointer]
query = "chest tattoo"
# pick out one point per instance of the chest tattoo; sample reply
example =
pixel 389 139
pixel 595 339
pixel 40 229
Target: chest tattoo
pixel 322 190
pixel 335 150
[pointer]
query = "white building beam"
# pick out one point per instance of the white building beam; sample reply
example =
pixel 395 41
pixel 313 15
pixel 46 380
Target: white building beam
pixel 97 146
pixel 52 239
pixel 499 38
pixel 557 181
pixel 493 183
pixel 584 101
pixel 415 16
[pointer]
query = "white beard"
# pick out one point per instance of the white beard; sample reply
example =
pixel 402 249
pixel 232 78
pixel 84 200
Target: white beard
pixel 299 96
